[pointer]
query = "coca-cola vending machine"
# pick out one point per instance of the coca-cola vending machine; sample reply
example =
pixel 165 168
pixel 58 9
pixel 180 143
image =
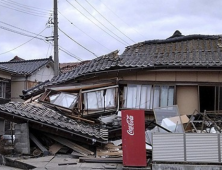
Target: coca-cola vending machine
pixel 133 138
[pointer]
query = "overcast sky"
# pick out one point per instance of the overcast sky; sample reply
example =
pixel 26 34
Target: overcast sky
pixel 99 27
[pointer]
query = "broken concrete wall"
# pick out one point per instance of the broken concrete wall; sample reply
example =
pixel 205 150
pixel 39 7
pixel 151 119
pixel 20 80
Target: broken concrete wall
pixel 22 143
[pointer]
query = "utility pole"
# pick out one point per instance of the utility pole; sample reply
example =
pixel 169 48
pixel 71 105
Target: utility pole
pixel 56 50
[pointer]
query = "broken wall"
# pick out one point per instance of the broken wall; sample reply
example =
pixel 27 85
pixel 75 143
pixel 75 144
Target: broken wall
pixel 22 143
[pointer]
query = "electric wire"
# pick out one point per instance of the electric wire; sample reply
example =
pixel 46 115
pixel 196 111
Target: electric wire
pixel 96 24
pixel 21 33
pixel 69 53
pixel 27 6
pixel 20 29
pixel 23 8
pixel 109 21
pixel 121 19
pixel 77 42
pixel 26 12
pixel 84 32
pixel 22 43
pixel 102 23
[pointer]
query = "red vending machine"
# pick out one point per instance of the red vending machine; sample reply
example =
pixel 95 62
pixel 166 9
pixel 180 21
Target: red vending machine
pixel 133 138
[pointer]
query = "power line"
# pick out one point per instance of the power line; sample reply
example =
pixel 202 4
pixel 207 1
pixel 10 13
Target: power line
pixel 27 6
pixel 22 44
pixel 16 6
pixel 69 53
pixel 109 21
pixel 101 23
pixel 34 14
pixel 121 19
pixel 84 32
pixel 17 32
pixel 78 43
pixel 20 28
pixel 96 24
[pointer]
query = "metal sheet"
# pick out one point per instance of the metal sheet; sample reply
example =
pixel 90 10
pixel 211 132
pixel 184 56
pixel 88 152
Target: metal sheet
pixel 168 147
pixel 202 147
pixel 133 138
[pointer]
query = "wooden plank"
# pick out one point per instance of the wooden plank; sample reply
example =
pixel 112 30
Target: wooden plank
pixel 103 153
pixel 53 149
pixel 109 150
pixel 72 145
pixel 32 99
pixel 101 160
pixel 38 143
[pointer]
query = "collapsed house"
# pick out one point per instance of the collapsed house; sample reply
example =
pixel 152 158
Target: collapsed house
pixel 85 104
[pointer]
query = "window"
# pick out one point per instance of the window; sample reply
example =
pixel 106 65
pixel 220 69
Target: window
pixel 148 96
pixel 210 98
pixel 2 89
pixel 100 99
pixel 64 99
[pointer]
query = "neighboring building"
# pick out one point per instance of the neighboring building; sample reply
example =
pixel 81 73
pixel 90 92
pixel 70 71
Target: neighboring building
pixel 180 70
pixel 5 84
pixel 24 74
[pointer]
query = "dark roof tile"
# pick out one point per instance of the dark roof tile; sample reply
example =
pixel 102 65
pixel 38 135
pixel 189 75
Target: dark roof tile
pixel 41 114
pixel 24 67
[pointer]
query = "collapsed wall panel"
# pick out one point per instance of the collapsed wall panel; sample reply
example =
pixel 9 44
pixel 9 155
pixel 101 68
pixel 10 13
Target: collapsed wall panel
pixel 22 143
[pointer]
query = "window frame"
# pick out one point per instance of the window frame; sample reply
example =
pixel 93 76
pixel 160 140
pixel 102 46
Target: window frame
pixel 3 90
pixel 85 92
pixel 153 86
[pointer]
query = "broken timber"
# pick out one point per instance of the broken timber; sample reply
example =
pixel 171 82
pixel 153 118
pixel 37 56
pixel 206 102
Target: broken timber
pixel 40 146
pixel 72 145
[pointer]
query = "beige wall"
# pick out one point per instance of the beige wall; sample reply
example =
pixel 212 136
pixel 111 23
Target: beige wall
pixel 5 75
pixel 173 76
pixel 16 90
pixel 187 99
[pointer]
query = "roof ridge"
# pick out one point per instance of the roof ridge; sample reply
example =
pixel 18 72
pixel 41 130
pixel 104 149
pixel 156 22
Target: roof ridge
pixel 24 61
pixel 176 39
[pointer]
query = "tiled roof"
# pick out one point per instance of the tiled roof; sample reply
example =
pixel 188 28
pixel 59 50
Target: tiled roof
pixel 180 51
pixel 6 69
pixel 16 58
pixel 24 67
pixel 194 51
pixel 99 64
pixel 49 117
pixel 66 67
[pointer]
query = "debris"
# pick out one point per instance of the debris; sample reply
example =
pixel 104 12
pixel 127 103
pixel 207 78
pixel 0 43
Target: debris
pixel 109 151
pixel 40 146
pixel 53 149
pixel 14 163
pixel 101 160
pixel 72 145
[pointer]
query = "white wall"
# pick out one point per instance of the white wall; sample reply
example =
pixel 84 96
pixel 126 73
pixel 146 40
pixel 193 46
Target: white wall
pixel 43 74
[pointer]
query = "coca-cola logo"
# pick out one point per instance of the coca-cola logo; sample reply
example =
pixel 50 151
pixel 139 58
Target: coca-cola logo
pixel 130 122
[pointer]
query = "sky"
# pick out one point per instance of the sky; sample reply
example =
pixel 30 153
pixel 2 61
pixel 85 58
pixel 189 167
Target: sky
pixel 92 28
